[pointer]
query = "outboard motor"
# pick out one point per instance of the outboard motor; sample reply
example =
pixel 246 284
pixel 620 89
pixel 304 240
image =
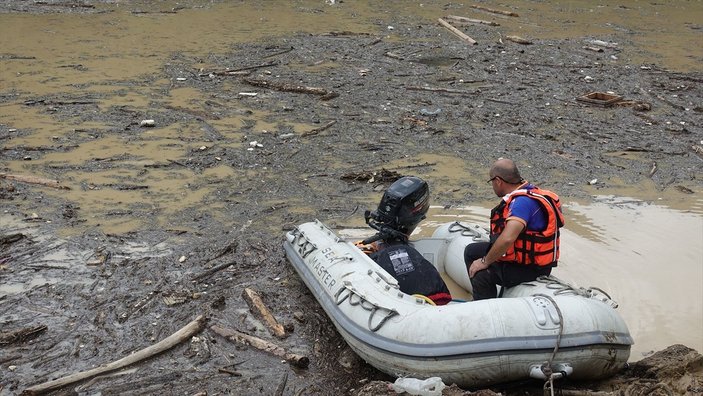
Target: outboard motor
pixel 403 206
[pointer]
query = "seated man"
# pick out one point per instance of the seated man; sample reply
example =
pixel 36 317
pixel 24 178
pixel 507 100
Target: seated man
pixel 402 207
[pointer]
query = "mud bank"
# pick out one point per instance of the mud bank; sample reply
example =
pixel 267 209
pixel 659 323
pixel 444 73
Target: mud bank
pixel 135 229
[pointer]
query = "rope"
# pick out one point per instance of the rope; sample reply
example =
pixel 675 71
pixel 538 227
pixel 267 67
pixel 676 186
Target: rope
pixel 465 231
pixel 600 290
pixel 561 326
pixel 564 288
pixel 549 383
pixel 547 366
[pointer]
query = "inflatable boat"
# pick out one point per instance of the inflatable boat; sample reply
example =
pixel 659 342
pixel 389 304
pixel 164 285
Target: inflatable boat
pixel 543 329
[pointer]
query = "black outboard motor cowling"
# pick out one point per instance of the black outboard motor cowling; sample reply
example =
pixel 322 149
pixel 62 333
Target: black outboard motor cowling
pixel 403 206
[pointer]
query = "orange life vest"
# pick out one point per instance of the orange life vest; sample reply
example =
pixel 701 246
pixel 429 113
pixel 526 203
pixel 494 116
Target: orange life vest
pixel 531 247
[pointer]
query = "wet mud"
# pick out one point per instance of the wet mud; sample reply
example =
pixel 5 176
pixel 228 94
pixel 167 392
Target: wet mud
pixel 131 228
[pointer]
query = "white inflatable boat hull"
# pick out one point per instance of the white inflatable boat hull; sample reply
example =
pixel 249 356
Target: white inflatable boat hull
pixel 574 332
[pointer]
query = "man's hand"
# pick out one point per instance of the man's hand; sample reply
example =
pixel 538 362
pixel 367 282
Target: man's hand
pixel 476 266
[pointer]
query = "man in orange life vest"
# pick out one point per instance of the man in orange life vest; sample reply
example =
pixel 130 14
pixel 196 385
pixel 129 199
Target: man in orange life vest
pixel 524 242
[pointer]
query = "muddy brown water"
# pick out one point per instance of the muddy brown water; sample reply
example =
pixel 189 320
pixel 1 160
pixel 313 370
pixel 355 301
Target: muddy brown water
pixel 642 245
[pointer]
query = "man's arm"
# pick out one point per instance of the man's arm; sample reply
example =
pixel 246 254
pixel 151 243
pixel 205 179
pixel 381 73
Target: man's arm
pixel 513 228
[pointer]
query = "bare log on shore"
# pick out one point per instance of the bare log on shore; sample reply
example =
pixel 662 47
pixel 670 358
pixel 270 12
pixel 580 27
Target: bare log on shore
pixel 456 31
pixel 167 343
pixel 258 343
pixel 256 304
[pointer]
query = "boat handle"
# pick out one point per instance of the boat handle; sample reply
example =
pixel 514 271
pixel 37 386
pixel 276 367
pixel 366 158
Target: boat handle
pixel 391 313
pixel 303 243
pixel 365 304
pixel 339 292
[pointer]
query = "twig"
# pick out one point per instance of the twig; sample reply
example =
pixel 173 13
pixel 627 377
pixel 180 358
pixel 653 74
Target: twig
pixel 315 131
pixel 21 335
pixel 352 213
pixel 570 392
pixel 508 13
pixel 269 64
pixel 279 52
pixel 212 271
pixel 447 90
pixel 499 101
pixel 374 42
pixel 469 20
pixel 10 358
pixel 71 5
pixel 456 31
pixel 230 372
pixel 653 170
pixel 418 165
pixel 174 339
pixel 393 55
pixel 11 238
pixel 281 385
pixel 698 150
pixel 226 73
pixel 278 86
pixel 240 71
pixel 177 163
pixel 344 33
pixel 34 180
pixel 246 339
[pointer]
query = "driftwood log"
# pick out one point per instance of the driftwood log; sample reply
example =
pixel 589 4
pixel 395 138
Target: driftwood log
pixel 266 346
pixel 256 304
pixel 167 343
pixel 34 180
pixel 518 39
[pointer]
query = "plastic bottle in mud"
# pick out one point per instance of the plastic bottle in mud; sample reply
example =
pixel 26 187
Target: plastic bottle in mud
pixel 429 387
